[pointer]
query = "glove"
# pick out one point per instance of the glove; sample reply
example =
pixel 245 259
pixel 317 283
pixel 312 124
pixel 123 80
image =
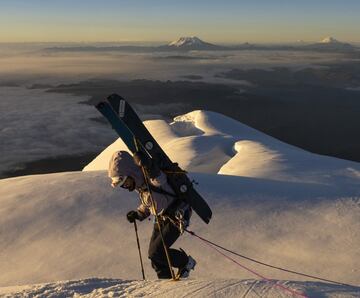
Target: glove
pixel 132 216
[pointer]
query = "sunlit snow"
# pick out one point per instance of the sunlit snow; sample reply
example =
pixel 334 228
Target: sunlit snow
pixel 273 202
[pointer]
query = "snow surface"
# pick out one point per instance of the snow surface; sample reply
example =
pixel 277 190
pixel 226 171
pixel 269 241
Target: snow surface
pixel 72 226
pixel 96 287
pixel 208 142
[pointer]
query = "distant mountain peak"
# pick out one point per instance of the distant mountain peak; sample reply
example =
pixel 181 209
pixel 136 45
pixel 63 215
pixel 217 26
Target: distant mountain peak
pixel 188 41
pixel 329 39
pixel 330 44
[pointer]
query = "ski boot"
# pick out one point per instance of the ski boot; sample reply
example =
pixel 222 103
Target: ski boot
pixel 184 272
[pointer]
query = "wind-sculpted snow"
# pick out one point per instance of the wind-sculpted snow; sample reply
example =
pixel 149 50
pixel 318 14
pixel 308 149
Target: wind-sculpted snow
pixel 208 142
pixel 96 287
pixel 73 225
pixel 274 202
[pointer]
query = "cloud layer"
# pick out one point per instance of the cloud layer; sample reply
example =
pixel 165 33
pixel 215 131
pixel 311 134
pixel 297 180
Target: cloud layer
pixel 36 125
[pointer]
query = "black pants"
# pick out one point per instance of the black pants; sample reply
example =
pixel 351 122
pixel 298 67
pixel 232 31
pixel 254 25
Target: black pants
pixel 157 253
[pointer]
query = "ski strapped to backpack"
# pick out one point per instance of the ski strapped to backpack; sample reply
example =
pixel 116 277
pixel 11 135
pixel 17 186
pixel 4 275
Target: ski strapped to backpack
pixel 129 127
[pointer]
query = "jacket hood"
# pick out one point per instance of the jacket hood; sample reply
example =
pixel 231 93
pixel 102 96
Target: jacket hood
pixel 122 164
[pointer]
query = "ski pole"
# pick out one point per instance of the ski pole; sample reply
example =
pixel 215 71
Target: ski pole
pixel 138 244
pixel 157 219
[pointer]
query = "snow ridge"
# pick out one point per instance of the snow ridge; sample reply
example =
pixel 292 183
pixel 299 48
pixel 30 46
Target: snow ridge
pixel 208 142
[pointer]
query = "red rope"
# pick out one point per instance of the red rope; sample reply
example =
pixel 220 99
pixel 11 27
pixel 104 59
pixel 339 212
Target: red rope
pixel 250 270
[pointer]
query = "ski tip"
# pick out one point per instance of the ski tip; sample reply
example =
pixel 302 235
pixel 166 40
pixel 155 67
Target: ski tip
pixel 207 219
pixel 100 105
pixel 115 101
pixel 114 95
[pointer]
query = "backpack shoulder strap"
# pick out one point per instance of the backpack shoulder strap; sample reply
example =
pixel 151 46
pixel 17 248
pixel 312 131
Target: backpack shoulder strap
pixel 162 191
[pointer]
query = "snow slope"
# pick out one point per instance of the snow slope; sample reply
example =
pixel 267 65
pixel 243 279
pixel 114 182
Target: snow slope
pixel 72 226
pixel 208 142
pixel 95 287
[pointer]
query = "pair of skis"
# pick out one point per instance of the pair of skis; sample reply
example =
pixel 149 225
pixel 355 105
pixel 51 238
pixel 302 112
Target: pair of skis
pixel 136 136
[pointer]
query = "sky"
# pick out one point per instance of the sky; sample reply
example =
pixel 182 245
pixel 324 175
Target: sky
pixel 227 21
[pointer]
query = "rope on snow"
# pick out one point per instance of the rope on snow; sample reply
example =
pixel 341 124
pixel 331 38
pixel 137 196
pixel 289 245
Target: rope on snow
pixel 215 246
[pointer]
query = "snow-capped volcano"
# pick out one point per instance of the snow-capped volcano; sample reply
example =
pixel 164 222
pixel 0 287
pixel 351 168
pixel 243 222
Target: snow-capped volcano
pixel 330 44
pixel 190 43
pixel 187 41
pixel 329 39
